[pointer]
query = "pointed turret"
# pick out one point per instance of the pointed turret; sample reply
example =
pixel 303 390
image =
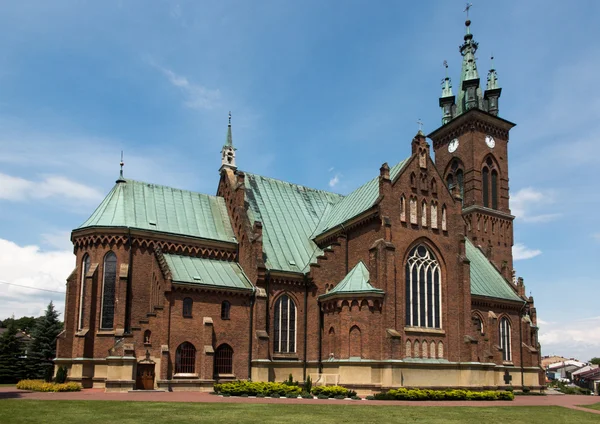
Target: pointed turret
pixel 492 91
pixel 228 151
pixel 470 93
pixel 447 100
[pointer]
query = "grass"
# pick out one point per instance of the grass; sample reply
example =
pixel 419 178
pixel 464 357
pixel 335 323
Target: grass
pixel 86 412
pixel 595 406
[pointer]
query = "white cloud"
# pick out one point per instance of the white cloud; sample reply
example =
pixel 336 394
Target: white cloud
pixel 198 96
pixel 527 203
pixel 21 189
pixel 58 240
pixel 32 267
pixel 334 181
pixel 520 252
pixel 578 339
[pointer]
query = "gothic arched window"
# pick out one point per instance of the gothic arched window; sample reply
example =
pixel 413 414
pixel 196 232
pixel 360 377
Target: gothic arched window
pixel 284 325
pixel 225 308
pixel 224 360
pixel 494 189
pixel 188 303
pixel 505 343
pixel 85 267
pixel 460 183
pixel 485 181
pixel 108 291
pixel 185 359
pixel 423 289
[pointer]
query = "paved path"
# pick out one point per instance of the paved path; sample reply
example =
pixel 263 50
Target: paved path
pixel 566 401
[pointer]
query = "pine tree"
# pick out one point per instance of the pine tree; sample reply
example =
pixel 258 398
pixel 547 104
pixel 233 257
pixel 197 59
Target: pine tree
pixel 11 351
pixel 43 347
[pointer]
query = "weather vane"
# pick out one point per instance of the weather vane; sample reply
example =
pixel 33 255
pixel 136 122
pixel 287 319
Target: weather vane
pixel 420 124
pixel 469 5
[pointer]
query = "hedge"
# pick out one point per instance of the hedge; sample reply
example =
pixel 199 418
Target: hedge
pixel 426 394
pixel 332 391
pixel 239 388
pixel 42 386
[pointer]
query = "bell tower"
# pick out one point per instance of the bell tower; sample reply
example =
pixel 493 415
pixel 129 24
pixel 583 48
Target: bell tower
pixel 471 153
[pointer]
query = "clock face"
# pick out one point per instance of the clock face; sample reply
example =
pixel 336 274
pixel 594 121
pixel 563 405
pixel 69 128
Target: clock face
pixel 453 145
pixel 489 140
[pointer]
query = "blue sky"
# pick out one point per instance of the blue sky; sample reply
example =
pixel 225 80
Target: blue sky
pixel 322 93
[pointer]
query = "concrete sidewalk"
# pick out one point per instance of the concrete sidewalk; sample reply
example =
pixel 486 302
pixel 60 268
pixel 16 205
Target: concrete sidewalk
pixel 566 401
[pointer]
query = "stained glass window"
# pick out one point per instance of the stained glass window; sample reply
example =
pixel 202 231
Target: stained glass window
pixel 108 291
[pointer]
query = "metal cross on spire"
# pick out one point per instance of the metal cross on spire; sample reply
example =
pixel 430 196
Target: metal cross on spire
pixel 229 118
pixel 469 5
pixel 420 124
pixel 121 178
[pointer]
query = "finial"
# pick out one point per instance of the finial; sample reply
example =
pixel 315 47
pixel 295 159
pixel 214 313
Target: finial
pixel 469 5
pixel 229 118
pixel 420 124
pixel 121 178
pixel 492 58
pixel 446 66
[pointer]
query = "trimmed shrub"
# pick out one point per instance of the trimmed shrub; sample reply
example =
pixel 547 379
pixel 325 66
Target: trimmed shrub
pixel 356 397
pixel 238 388
pixel 291 396
pixel 370 397
pixel 307 396
pixel 275 395
pixel 43 386
pixel 426 394
pixel 332 391
pixel 322 397
pixel 308 384
pixel 526 389
pixel 339 397
pixel 61 375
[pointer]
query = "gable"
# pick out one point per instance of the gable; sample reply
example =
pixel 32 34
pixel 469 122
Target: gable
pixel 152 207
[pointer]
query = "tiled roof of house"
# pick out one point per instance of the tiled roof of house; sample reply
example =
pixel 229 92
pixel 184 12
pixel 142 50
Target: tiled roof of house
pixel 356 202
pixel 485 278
pixel 153 207
pixel 207 272
pixel 289 214
pixel 355 282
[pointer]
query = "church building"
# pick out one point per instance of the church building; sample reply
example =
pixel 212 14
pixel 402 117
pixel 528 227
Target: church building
pixel 407 281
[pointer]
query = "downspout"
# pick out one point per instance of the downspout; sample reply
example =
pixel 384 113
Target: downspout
pixel 129 295
pixel 521 342
pixel 305 324
pixel 267 321
pixel 252 300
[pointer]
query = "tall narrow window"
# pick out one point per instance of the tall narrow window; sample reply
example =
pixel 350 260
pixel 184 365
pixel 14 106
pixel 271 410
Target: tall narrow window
pixel 434 215
pixel 108 291
pixel 331 338
pixel 185 359
pixel 460 183
pixel 224 360
pixel 402 208
pixel 450 181
pixel 505 344
pixel 188 303
pixel 494 189
pixel 485 181
pixel 284 325
pixel 355 343
pixel 147 337
pixel 85 267
pixel 424 213
pixel 444 218
pixel 225 307
pixel 413 210
pixel 423 289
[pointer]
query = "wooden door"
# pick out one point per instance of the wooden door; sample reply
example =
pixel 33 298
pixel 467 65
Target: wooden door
pixel 145 377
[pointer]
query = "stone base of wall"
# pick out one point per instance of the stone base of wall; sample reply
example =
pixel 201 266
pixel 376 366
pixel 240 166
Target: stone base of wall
pixel 186 385
pixel 119 386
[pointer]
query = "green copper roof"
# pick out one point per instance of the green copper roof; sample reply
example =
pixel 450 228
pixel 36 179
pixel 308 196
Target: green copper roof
pixel 356 202
pixel 356 282
pixel 289 214
pixel 207 272
pixel 485 278
pixel 135 204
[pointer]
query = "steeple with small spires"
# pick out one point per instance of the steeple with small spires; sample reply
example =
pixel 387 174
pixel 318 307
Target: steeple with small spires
pixel 492 91
pixel 228 151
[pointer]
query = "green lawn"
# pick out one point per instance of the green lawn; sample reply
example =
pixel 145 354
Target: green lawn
pixel 595 406
pixel 15 411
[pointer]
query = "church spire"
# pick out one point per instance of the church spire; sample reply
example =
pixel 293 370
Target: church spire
pixel 470 94
pixel 492 91
pixel 447 99
pixel 228 151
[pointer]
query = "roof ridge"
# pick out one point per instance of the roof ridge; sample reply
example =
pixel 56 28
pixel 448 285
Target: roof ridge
pixel 129 180
pixel 294 184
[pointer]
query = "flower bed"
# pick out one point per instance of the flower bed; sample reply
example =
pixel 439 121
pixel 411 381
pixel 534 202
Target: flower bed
pixel 43 386
pixel 332 391
pixel 426 394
